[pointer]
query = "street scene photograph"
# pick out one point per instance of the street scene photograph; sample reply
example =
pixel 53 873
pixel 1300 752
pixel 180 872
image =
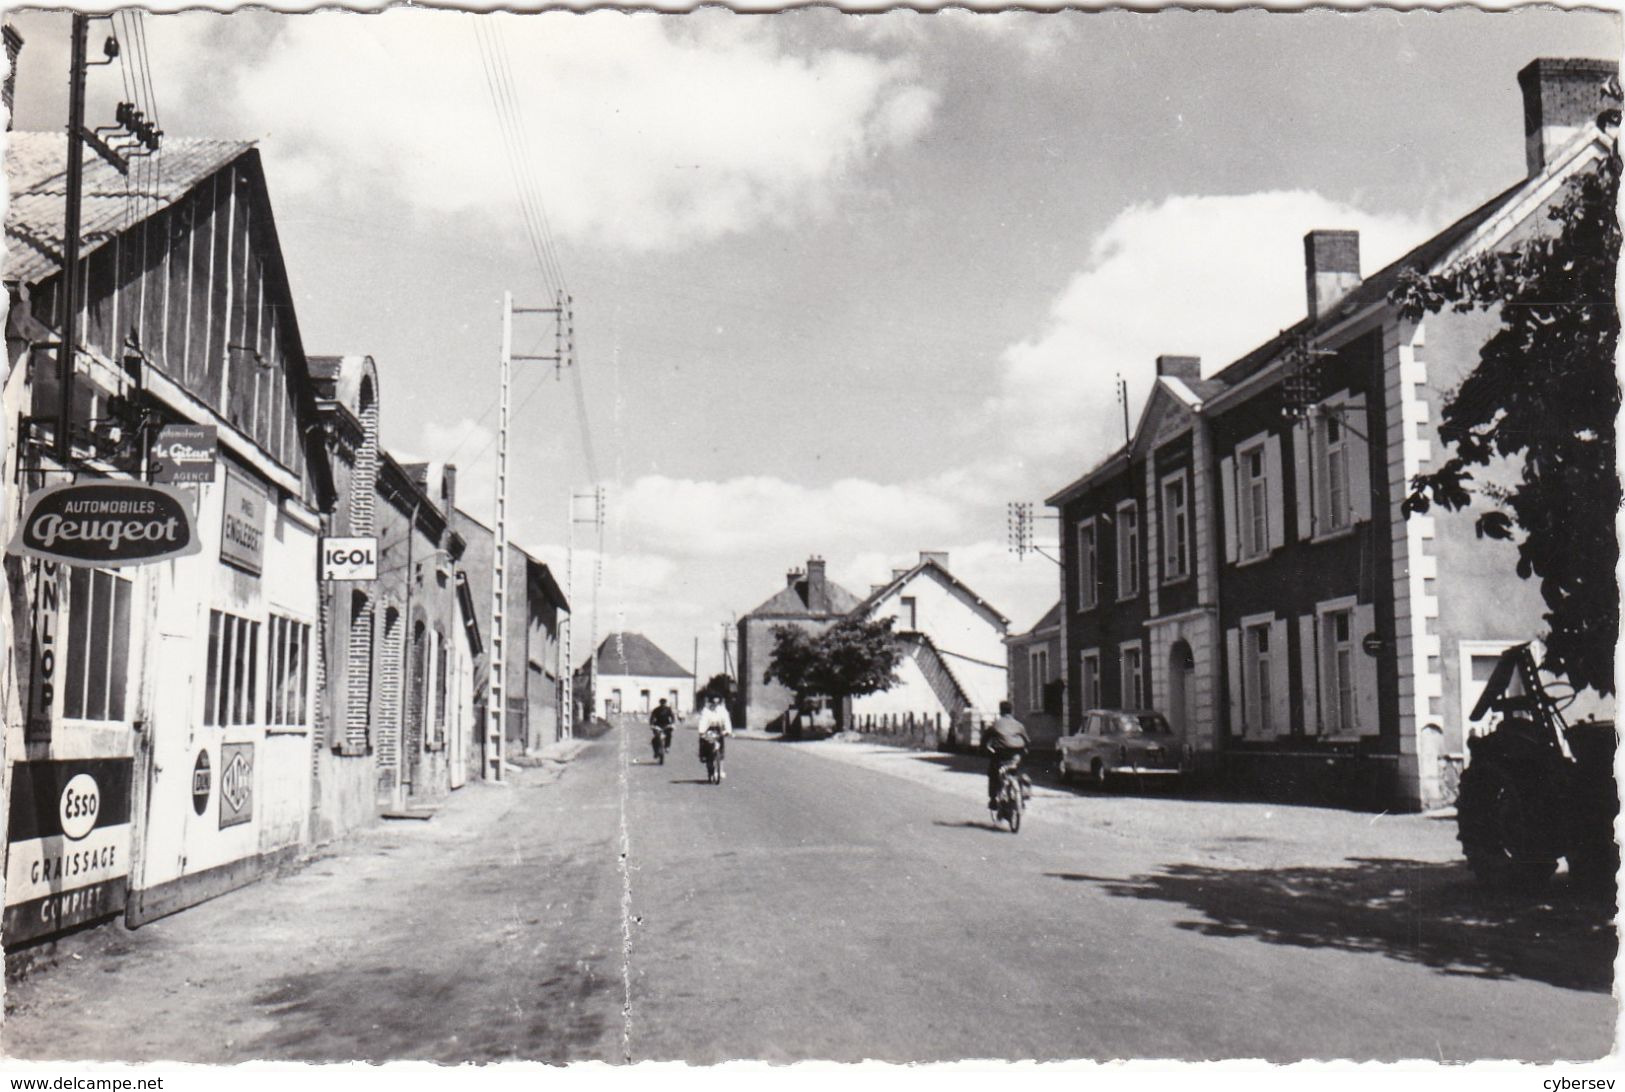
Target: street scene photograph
pixel 952 536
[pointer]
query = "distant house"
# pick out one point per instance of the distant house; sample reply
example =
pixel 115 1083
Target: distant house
pixel 1036 690
pixel 633 674
pixel 809 600
pixel 953 648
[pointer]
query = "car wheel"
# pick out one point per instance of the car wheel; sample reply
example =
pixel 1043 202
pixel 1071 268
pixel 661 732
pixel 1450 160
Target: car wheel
pixel 1097 773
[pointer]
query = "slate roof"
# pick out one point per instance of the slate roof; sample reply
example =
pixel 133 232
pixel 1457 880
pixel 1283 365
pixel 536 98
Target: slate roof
pixel 36 172
pixel 635 654
pixel 799 601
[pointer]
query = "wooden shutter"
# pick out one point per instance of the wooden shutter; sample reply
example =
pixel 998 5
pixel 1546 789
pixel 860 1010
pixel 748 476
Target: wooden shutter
pixel 1365 671
pixel 1273 485
pixel 1227 487
pixel 1359 454
pixel 1232 655
pixel 1309 674
pixel 1300 469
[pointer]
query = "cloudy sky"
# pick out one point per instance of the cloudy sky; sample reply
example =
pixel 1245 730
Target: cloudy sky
pixel 844 285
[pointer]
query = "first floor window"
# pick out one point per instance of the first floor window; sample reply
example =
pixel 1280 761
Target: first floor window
pixel 1128 550
pixel 229 686
pixel 1037 676
pixel 1337 629
pixel 1088 565
pixel 1175 532
pixel 1334 466
pixel 96 676
pixel 1133 679
pixel 287 691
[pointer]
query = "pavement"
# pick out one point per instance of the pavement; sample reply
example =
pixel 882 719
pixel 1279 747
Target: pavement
pixel 845 901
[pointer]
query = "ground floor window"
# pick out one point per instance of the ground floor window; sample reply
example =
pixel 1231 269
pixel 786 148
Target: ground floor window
pixel 1037 676
pixel 1089 673
pixel 1337 676
pixel 1255 686
pixel 1133 678
pixel 287 693
pixel 233 670
pixel 97 672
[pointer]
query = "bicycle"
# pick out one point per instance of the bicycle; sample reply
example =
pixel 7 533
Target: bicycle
pixel 711 752
pixel 660 743
pixel 1012 795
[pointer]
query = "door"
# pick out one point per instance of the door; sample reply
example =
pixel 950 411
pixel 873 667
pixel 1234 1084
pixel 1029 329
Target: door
pixel 1182 690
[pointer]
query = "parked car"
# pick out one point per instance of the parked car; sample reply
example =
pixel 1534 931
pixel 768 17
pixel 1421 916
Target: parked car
pixel 1112 742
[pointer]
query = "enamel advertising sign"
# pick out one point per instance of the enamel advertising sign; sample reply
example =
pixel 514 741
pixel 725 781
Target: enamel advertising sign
pixel 242 538
pixel 69 834
pixel 185 454
pixel 106 524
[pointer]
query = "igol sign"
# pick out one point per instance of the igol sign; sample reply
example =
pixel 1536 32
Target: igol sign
pixel 106 523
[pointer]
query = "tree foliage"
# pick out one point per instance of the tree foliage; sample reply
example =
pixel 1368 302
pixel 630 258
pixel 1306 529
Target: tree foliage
pixel 721 685
pixel 849 659
pixel 1543 394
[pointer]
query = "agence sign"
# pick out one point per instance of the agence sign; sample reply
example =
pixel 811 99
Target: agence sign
pixel 106 524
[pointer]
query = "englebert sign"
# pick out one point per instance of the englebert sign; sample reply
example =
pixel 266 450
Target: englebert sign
pixel 106 524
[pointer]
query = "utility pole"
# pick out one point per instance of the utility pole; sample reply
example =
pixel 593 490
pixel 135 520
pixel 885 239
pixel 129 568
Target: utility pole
pixel 498 712
pixel 570 582
pixel 70 239
pixel 1122 396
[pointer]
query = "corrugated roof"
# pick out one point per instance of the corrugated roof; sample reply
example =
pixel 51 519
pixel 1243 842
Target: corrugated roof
pixel 36 171
pixel 635 654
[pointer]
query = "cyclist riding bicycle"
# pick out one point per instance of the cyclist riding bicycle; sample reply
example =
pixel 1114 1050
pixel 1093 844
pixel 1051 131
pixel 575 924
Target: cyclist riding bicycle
pixel 715 727
pixel 1004 739
pixel 662 720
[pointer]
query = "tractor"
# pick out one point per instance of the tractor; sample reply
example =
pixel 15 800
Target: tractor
pixel 1536 789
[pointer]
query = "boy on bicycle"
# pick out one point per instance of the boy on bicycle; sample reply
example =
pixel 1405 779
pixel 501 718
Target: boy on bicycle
pixel 715 726
pixel 1004 739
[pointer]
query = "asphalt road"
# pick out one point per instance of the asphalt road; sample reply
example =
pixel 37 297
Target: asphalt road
pixel 839 904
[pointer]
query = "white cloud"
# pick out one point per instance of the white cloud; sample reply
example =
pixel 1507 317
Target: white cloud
pixel 645 132
pixel 459 442
pixel 713 519
pixel 1205 276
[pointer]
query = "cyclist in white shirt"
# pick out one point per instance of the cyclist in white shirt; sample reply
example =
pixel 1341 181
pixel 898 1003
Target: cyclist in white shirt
pixel 715 727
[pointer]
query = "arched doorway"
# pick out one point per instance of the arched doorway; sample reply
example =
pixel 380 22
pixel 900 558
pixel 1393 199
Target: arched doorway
pixel 1181 709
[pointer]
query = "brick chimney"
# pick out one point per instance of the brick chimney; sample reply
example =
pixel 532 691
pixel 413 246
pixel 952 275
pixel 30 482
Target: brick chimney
pixel 793 577
pixel 1331 268
pixel 448 487
pixel 14 46
pixel 1562 97
pixel 939 556
pixel 1187 368
pixel 816 592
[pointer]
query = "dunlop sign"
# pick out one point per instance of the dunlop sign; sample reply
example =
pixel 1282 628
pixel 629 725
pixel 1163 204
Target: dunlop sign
pixel 349 559
pixel 106 524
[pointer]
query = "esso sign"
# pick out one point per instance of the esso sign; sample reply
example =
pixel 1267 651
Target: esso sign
pixel 77 808
pixel 349 559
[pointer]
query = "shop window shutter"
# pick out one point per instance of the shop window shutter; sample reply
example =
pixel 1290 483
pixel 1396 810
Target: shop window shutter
pixel 1365 672
pixel 1280 692
pixel 1227 486
pixel 1300 470
pixel 1273 483
pixel 1359 462
pixel 1232 658
pixel 1309 674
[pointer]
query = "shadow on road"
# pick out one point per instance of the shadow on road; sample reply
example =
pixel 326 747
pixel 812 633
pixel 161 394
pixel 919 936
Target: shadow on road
pixel 969 824
pixel 1416 911
pixel 691 781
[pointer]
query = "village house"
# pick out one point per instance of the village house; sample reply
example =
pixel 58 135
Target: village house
pixel 536 712
pixel 1036 691
pixel 1243 564
pixel 177 693
pixel 953 665
pixel 630 674
pixel 810 601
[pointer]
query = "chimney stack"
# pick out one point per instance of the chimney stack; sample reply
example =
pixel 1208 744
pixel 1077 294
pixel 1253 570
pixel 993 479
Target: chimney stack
pixel 939 556
pixel 448 487
pixel 792 577
pixel 1186 368
pixel 1331 265
pixel 1561 98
